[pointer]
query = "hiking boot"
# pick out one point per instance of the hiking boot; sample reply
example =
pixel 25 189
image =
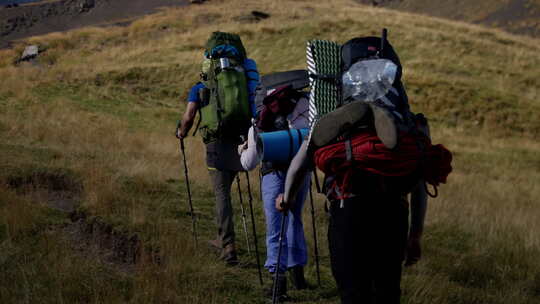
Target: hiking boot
pixel 338 122
pixel 298 280
pixel 229 255
pixel 385 126
pixel 281 289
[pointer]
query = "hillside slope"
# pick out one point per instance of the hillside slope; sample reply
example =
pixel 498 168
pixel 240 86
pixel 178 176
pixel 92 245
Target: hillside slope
pixel 62 15
pixel 93 204
pixel 516 16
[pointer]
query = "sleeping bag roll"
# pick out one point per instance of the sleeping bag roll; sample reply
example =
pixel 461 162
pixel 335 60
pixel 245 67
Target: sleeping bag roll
pixel 281 146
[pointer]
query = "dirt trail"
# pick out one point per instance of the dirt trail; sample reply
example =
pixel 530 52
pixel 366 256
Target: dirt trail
pixel 61 15
pixel 91 236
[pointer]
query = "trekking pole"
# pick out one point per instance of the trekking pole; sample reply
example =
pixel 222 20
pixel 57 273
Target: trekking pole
pixel 317 184
pixel 243 214
pixel 193 228
pixel 250 200
pixel 260 185
pixel 276 271
pixel 314 235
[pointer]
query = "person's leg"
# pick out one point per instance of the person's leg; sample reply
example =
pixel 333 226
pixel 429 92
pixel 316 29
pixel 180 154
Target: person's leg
pixel 392 244
pixel 271 188
pixel 349 240
pixel 222 181
pixel 296 241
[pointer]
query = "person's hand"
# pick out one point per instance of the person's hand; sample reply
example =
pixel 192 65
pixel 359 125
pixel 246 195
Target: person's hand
pixel 178 132
pixel 242 147
pixel 414 250
pixel 281 205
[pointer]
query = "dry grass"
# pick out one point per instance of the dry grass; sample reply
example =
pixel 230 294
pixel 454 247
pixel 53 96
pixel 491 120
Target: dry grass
pixel 101 105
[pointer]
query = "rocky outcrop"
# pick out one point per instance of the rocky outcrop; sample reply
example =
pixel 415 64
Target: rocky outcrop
pixel 25 17
pixel 30 52
pixel 60 15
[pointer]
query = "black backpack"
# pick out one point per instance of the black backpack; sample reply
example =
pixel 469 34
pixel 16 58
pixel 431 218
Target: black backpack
pixel 365 48
pixel 387 109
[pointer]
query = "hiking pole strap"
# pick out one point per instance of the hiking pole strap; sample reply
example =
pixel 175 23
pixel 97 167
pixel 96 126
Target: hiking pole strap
pixel 255 240
pixel 244 223
pixel 188 188
pixel 432 195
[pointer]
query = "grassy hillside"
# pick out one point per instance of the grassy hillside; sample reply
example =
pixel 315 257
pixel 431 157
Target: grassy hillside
pixel 93 205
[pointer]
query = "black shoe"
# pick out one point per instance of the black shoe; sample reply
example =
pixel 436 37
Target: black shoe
pixel 281 292
pixel 229 255
pixel 298 280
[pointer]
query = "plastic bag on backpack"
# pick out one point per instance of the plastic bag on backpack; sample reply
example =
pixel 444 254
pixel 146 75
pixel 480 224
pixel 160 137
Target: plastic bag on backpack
pixel 369 80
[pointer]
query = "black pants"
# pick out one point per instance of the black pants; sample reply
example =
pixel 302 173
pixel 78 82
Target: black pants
pixel 367 237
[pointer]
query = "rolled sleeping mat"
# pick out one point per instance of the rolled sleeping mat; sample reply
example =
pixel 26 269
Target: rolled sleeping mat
pixel 281 146
pixel 297 78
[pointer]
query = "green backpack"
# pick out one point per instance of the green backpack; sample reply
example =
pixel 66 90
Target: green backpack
pixel 224 108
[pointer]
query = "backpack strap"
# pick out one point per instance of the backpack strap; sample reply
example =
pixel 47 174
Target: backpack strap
pixel 198 121
pixel 432 195
pixel 348 150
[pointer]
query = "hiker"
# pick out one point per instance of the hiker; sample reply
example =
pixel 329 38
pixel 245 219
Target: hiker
pixel 224 99
pixel 282 113
pixel 374 152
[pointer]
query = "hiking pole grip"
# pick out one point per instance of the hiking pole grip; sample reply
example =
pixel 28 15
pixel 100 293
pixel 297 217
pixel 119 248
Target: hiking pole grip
pixel 188 188
pixel 255 241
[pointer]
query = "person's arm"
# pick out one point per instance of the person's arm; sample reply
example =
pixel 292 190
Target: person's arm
pixel 419 200
pixel 187 119
pixel 193 102
pixel 418 210
pixel 300 166
pixel 249 155
pixel 418 215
